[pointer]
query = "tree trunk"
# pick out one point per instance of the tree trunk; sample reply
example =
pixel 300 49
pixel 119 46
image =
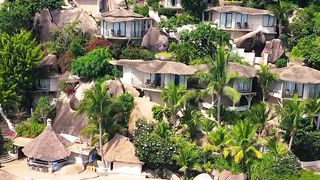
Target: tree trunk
pixel 280 27
pixel 219 108
pixel 291 140
pixel 9 123
pixel 263 95
pixel 100 142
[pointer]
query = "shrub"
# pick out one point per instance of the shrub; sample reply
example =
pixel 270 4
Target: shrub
pixel 65 61
pixel 144 10
pixel 238 59
pixel 220 163
pixel 43 109
pixel 30 128
pixel 275 167
pixel 154 4
pixel 167 12
pixel 126 101
pixel 137 53
pixel 307 145
pixel 281 62
pixel 116 49
pixel 8 145
pixel 98 42
pixel 146 54
pixel 93 65
pixel 77 46
pixel 177 21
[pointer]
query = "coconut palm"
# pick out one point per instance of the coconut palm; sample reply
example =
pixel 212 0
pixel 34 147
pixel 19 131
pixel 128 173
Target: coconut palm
pixel 175 98
pixel 281 10
pixel 163 129
pixel 312 108
pixel 291 113
pixel 275 146
pixel 97 105
pixel 260 114
pixel 206 125
pixel 220 139
pixel 217 78
pixel 243 147
pixel 266 77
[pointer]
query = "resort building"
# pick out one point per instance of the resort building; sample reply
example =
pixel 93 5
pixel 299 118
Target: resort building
pixel 93 7
pixel 239 21
pixel 295 79
pixel 243 84
pixel 124 24
pixel 120 155
pixel 47 152
pixel 150 77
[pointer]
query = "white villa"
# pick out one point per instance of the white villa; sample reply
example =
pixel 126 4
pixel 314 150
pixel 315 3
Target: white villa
pixel 295 78
pixel 241 20
pixel 149 77
pixel 124 24
pixel 93 7
pixel 243 85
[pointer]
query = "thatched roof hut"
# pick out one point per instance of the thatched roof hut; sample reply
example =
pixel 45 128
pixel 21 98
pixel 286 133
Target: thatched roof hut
pixel 240 9
pixel 241 70
pixel 121 14
pixel 298 73
pixel 120 149
pixel 157 66
pixel 48 146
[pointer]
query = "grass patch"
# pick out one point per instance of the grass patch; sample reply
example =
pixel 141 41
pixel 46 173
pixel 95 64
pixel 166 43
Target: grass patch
pixel 308 175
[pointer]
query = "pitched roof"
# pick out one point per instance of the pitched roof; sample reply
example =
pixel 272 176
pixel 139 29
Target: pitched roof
pixel 241 70
pixel 298 73
pixel 121 14
pixel 157 66
pixel 240 9
pixel 120 149
pixel 48 146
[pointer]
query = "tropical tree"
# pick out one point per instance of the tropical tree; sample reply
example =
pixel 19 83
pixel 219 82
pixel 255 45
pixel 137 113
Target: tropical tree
pixel 217 79
pixel 97 105
pixel 206 125
pixel 312 108
pixel 291 113
pixel 243 144
pixel 220 139
pixel 281 10
pixel 163 129
pixel 275 146
pixel 175 98
pixel 260 114
pixel 266 77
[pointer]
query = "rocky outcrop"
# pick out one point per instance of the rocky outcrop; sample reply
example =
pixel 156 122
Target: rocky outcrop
pixel 154 40
pixel 115 88
pixel 227 175
pixel 45 21
pixel 275 50
pixel 203 176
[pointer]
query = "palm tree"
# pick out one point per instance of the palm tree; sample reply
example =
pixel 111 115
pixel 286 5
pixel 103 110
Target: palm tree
pixel 217 79
pixel 220 139
pixel 163 129
pixel 260 114
pixel 266 77
pixel 243 145
pixel 281 9
pixel 312 108
pixel 97 105
pixel 291 113
pixel 206 125
pixel 275 147
pixel 175 98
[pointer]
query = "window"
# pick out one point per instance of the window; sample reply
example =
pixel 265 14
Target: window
pixel 228 20
pixel 135 26
pixel 43 84
pixel 243 85
pixel 119 29
pixel 314 90
pixel 241 20
pixel 290 88
pixel 268 21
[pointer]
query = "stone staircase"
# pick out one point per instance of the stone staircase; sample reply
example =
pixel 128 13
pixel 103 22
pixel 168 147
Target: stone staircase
pixel 3 128
pixel 5 158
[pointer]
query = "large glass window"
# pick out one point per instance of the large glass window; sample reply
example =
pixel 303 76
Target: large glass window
pixel 243 85
pixel 228 20
pixel 291 88
pixel 241 21
pixel 119 29
pixel 268 21
pixel 314 90
pixel 135 28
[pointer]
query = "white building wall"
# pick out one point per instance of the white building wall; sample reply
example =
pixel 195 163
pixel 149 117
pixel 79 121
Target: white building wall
pixel 90 6
pixel 127 75
pixel 53 84
pixel 126 168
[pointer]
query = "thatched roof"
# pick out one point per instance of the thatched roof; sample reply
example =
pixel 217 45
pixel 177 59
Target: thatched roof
pixel 157 66
pixel 48 146
pixel 120 149
pixel 240 9
pixel 241 70
pixel 121 14
pixel 298 73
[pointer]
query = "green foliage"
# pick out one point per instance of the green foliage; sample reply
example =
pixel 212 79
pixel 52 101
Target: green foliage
pixel 19 56
pixel 159 112
pixel 266 77
pixel 238 59
pixel 126 101
pixel 43 109
pixel 183 52
pixel 8 145
pixel 222 163
pixel 169 12
pixel 156 151
pixel 281 62
pixel 93 65
pixel 116 49
pixel 30 128
pixel 308 175
pixel 154 4
pixel 77 46
pixel 137 53
pixel 144 10
pixel 307 145
pixel 275 167
pixel 177 21
pixel 194 7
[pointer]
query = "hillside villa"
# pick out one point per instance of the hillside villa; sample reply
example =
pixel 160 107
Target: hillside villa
pixel 150 77
pixel 124 24
pixel 239 21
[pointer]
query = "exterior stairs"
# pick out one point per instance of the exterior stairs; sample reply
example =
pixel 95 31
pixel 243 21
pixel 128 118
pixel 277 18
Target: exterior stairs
pixel 5 158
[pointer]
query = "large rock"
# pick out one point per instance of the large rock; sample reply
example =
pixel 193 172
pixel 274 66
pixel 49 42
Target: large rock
pixel 254 41
pixel 115 88
pixel 47 20
pixel 227 175
pixel 154 40
pixel 203 176
pixel 274 49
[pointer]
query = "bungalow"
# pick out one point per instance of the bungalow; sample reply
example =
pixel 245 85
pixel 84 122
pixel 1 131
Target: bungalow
pixel 124 24
pixel 94 7
pixel 120 155
pixel 295 79
pixel 243 84
pixel 176 4
pixel 241 20
pixel 150 77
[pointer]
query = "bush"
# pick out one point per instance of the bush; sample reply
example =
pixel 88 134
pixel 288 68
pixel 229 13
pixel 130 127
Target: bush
pixel 307 146
pixel 281 62
pixel 220 163
pixel 178 21
pixel 144 10
pixel 8 145
pixel 30 128
pixel 126 101
pixel 98 42
pixel 238 59
pixel 167 12
pixel 43 109
pixel 146 54
pixel 93 65
pixel 137 53
pixel 77 45
pixel 154 4
pixel 65 61
pixel 116 50
pixel 272 167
